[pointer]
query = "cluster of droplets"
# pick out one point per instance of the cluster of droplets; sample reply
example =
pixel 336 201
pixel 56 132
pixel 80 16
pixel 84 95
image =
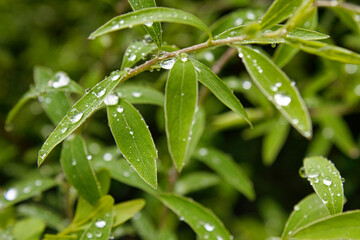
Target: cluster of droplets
pixel 12 194
pixel 61 79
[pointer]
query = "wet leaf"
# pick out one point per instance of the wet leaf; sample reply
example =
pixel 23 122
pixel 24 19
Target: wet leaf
pixel 99 228
pixel 148 16
pixel 326 181
pixel 277 87
pixel 180 105
pixel 201 220
pixel 126 210
pixel 134 140
pixel 28 229
pixel 136 52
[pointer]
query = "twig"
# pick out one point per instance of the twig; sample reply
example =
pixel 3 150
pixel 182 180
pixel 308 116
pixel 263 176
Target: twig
pixel 332 3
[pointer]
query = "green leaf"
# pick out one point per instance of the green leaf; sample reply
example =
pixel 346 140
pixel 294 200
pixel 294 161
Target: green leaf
pixel 136 52
pixel 337 131
pixel 278 12
pixel 180 105
pixel 155 29
pixel 99 228
pixel 134 140
pixel 319 146
pixel 55 104
pixel 126 210
pixel 149 16
pixel 138 94
pixel 28 229
pixel 219 89
pixel 274 140
pixel 122 172
pixel 340 226
pixel 195 181
pixel 302 14
pixel 277 87
pixel 201 220
pixel 51 218
pixel 348 17
pixel 144 226
pixel 224 165
pixel 81 110
pixel 25 189
pixel 326 51
pixel 78 170
pixel 307 211
pixel 196 131
pixel 58 237
pixel 104 179
pixel 326 181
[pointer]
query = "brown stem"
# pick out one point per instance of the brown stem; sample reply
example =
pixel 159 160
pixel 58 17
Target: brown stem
pixel 348 6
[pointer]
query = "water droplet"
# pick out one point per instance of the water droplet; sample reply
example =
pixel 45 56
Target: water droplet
pixel 238 21
pixel 126 174
pixel 342 180
pixel 89 157
pixel 136 94
pixel 100 93
pixel 38 183
pixel 313 175
pixel 209 56
pixel 98 234
pixel 100 224
pixel 302 172
pixel 282 100
pixel 26 189
pixel 296 208
pixel 111 99
pixel 149 24
pixel 327 181
pixel 11 194
pixel 131 133
pixel 63 130
pixel 184 57
pixel 120 109
pixel 167 64
pixel 327 133
pixel 107 157
pixel 250 15
pixel 73 162
pixel 76 117
pixel 114 76
pixel 208 227
pixel 240 54
pixel 219 238
pixel 132 57
pixel 357 18
pixel 89 235
pixel 203 151
pixel 62 80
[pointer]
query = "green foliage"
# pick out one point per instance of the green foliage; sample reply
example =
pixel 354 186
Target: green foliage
pixel 187 121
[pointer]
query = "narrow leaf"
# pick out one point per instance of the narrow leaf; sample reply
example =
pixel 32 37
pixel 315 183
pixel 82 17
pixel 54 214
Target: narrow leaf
pixel 196 131
pixel 340 226
pixel 201 220
pixel 307 211
pixel 326 181
pixel 274 140
pixel 99 228
pixel 126 210
pixel 134 140
pixel 277 87
pixel 81 110
pixel 326 51
pixel 195 181
pixel 224 165
pixel 149 16
pixel 348 17
pixel 78 170
pixel 24 190
pixel 137 94
pixel 154 29
pixel 144 226
pixel 219 89
pixel 28 229
pixel 319 146
pixel 122 172
pixel 180 105
pixel 302 14
pixel 278 12
pixel 55 104
pixel 136 52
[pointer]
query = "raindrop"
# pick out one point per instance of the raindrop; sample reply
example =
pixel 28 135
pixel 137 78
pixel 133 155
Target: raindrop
pixel 203 151
pixel 76 117
pixel 342 180
pixel 208 56
pixel 98 234
pixel 219 238
pixel 114 76
pixel 240 54
pixel 73 162
pixel 136 94
pixel 184 57
pixel 89 235
pixel 238 21
pixel 167 64
pixel 132 57
pixel 208 227
pixel 26 189
pixel 38 183
pixel 121 22
pixel 296 208
pixel 100 93
pixel 100 224
pixel 282 100
pixel 107 157
pixel 111 99
pixel 62 80
pixel 149 24
pixel 131 133
pixel 120 109
pixel 313 175
pixel 63 130
pixel 327 133
pixel 327 181
pixel 302 172
pixel 11 194
pixel 250 15
pixel 89 157
pixel 126 174
pixel 351 68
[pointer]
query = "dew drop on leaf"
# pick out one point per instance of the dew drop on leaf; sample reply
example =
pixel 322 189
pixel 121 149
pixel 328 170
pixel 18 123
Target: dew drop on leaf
pixel 282 100
pixel 62 80
pixel 111 99
pixel 208 227
pixel 136 94
pixel 100 224
pixel 11 194
pixel 327 181
pixel 167 64
pixel 107 157
pixel 120 109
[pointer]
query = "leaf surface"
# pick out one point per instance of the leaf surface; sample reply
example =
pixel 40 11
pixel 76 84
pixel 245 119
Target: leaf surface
pixel 78 170
pixel 138 94
pixel 99 228
pixel 201 220
pixel 134 140
pixel 78 113
pixel 28 229
pixel 136 52
pixel 126 210
pixel 277 87
pixel 326 181
pixel 224 165
pixel 219 89
pixel 148 16
pixel 180 105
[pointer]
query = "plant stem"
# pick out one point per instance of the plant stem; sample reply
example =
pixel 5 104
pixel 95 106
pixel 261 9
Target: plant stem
pixel 348 6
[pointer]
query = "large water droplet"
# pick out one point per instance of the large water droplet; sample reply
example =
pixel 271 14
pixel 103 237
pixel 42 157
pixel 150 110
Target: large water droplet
pixel 120 109
pixel 203 151
pixel 136 94
pixel 149 24
pixel 100 93
pixel 184 57
pixel 238 21
pixel 11 194
pixel 208 227
pixel 132 57
pixel 209 56
pixel 75 117
pixel 282 100
pixel 327 181
pixel 100 224
pixel 296 208
pixel 246 85
pixel 61 80
pixel 107 157
pixel 250 15
pixel 111 99
pixel 167 64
